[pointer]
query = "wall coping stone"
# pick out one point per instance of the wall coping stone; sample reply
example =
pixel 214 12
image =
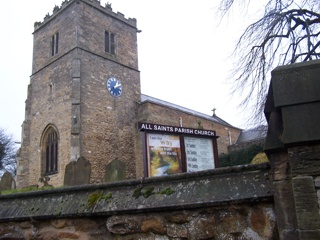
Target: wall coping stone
pixel 245 183
pixel 292 108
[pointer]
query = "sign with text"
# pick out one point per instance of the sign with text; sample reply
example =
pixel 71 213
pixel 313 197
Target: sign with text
pixel 163 154
pixel 177 130
pixel 199 154
pixel 170 149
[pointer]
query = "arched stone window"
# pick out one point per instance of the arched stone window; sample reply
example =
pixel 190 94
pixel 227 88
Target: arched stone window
pixel 50 147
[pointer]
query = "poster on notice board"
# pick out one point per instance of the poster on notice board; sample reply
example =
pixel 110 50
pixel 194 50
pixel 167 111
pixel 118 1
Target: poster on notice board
pixel 164 154
pixel 199 154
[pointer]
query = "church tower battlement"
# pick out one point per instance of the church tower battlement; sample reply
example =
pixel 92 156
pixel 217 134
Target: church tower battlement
pixel 96 3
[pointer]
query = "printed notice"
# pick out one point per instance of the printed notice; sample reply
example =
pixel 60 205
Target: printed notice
pixel 163 154
pixel 199 154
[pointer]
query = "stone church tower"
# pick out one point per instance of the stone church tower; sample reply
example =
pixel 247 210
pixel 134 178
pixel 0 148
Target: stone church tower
pixel 83 95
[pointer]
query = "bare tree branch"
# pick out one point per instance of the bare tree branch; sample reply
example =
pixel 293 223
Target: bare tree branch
pixel 287 32
pixel 7 152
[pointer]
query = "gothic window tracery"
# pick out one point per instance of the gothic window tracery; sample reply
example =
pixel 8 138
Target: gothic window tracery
pixel 50 151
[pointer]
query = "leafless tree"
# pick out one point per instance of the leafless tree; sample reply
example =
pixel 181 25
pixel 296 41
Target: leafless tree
pixel 286 32
pixel 7 152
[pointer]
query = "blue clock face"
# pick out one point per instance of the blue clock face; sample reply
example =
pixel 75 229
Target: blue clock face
pixel 114 87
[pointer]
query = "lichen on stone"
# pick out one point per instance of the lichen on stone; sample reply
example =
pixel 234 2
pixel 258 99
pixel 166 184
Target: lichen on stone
pixel 167 191
pixel 93 199
pixel 150 191
pixel 96 197
pixel 107 197
pixel 137 193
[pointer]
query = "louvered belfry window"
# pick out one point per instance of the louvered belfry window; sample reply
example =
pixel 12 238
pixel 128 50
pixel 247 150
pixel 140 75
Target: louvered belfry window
pixel 109 43
pixel 54 44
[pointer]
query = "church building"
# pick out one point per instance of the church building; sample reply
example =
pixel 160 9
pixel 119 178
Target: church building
pixel 84 98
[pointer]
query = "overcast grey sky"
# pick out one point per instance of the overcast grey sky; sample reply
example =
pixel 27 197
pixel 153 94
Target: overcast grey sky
pixel 183 54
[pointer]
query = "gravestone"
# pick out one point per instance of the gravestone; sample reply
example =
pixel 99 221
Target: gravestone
pixel 115 171
pixel 7 182
pixel 77 172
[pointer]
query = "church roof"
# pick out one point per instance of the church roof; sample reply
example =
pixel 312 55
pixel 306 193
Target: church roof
pixel 254 134
pixel 146 98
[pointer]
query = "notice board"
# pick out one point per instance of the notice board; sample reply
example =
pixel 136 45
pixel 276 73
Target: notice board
pixel 171 150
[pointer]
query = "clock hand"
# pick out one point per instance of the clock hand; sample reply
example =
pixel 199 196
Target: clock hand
pixel 117 85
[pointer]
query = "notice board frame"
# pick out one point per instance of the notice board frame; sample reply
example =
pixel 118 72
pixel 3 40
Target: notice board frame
pixel 181 132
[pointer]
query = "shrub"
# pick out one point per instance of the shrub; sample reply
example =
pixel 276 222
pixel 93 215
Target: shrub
pixel 240 157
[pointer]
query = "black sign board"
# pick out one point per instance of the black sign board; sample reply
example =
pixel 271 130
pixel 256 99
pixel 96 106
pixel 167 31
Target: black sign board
pixel 171 149
pixel 177 130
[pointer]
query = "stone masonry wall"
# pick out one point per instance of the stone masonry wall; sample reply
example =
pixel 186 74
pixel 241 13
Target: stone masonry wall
pixel 236 221
pixel 47 107
pixel 225 203
pixel 107 123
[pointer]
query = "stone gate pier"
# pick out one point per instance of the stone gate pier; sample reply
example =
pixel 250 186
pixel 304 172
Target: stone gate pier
pixel 293 148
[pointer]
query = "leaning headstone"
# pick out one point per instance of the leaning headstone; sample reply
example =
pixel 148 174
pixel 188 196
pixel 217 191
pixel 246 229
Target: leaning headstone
pixel 115 171
pixel 7 182
pixel 78 172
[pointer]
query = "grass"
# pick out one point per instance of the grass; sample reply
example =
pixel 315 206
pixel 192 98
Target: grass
pixel 26 189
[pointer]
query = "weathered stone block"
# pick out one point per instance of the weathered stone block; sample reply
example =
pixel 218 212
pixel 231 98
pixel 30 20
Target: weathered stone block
pixel 301 122
pixel 68 235
pixel 305 160
pixel 125 224
pixel 293 105
pixel 309 235
pixel 284 205
pixel 154 225
pixel 59 223
pixel 202 228
pixel 47 233
pixel 179 218
pixel 317 182
pixel 85 225
pixel 177 231
pixel 280 168
pixel 10 231
pixel 273 139
pixel 296 83
pixel 306 203
pixel 289 234
pixel 227 220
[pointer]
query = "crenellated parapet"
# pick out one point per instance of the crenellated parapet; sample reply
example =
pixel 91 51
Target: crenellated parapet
pixel 107 9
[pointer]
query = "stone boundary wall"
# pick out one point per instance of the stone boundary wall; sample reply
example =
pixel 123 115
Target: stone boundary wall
pixel 227 202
